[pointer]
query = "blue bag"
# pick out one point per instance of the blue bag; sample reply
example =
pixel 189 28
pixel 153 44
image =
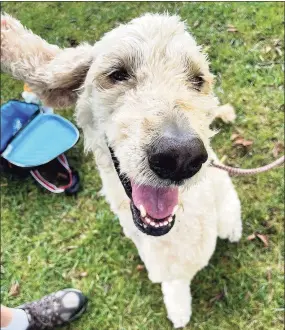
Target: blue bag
pixel 33 140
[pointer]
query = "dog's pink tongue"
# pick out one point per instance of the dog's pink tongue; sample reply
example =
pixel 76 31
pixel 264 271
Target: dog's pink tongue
pixel 158 202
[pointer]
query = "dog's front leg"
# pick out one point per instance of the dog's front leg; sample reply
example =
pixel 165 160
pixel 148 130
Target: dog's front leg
pixel 177 298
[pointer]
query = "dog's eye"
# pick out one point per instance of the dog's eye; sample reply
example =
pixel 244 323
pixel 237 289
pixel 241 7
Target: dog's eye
pixel 119 75
pixel 197 82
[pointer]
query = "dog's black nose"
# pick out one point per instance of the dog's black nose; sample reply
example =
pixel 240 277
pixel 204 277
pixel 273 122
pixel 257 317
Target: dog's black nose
pixel 177 157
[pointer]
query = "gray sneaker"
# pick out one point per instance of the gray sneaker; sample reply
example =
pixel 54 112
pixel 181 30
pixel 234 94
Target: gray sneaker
pixel 56 309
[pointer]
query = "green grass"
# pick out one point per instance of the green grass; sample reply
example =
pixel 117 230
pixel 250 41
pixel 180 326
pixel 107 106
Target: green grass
pixel 49 240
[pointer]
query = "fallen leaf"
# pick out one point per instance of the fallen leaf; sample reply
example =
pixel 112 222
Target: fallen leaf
pixel 140 267
pixel 232 28
pixel 263 238
pixel 251 237
pixel 14 290
pixel 278 147
pixel 243 142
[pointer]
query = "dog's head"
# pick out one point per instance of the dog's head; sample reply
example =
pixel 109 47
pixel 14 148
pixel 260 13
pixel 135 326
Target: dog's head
pixel 148 90
pixel 151 93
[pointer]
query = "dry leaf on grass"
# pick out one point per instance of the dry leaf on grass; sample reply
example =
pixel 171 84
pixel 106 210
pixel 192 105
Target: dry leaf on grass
pixel 140 267
pixel 238 139
pixel 243 142
pixel 251 237
pixel 14 290
pixel 263 238
pixel 232 28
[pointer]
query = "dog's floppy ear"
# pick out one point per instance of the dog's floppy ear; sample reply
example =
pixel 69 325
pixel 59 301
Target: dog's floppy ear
pixel 54 74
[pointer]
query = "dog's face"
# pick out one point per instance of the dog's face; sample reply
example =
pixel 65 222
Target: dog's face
pixel 151 94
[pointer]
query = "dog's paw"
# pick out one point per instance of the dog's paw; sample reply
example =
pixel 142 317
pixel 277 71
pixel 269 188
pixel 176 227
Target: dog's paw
pixel 181 321
pixel 235 234
pixel 179 316
pixel 231 230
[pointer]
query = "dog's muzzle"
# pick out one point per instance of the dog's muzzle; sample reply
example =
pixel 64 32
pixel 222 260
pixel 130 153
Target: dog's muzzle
pixel 176 156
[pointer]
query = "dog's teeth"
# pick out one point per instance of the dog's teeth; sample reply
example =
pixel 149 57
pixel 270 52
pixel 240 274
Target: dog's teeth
pixel 161 224
pixel 170 219
pixel 147 220
pixel 152 224
pixel 165 223
pixel 156 225
pixel 174 210
pixel 143 211
pixel 144 225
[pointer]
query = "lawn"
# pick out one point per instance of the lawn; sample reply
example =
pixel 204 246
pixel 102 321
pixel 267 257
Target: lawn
pixel 53 241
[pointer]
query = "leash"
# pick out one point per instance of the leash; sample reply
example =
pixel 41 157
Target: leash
pixel 250 171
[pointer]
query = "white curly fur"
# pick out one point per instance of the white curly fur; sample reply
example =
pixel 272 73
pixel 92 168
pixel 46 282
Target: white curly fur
pixel 162 56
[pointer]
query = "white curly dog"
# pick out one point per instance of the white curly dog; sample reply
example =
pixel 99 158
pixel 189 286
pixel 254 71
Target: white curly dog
pixel 144 101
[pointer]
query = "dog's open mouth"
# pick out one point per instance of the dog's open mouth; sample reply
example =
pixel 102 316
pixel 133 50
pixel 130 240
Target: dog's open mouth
pixel 153 208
